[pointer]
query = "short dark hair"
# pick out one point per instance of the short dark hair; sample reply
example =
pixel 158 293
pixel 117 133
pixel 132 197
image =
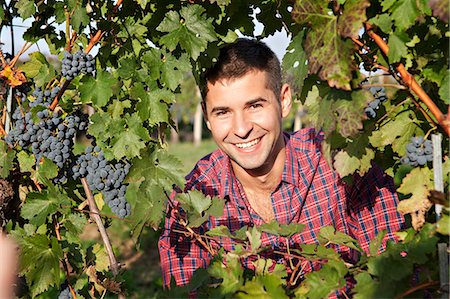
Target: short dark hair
pixel 238 58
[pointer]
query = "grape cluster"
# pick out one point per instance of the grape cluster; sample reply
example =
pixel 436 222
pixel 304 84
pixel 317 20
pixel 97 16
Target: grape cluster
pixel 380 97
pixel 66 294
pixel 75 64
pixel 51 136
pixel 418 152
pixel 104 177
pixel 44 97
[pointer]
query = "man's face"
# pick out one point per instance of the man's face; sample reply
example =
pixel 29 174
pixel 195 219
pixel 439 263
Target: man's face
pixel 245 119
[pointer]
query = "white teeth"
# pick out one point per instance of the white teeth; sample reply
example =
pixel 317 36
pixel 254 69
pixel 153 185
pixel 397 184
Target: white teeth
pixel 248 144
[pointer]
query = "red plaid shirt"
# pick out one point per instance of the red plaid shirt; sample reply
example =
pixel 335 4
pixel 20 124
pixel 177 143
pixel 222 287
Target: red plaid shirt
pixel 310 192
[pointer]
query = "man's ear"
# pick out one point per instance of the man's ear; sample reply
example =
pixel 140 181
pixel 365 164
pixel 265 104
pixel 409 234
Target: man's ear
pixel 205 115
pixel 285 100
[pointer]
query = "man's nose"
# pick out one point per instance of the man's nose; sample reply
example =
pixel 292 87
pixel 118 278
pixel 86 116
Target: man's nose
pixel 242 125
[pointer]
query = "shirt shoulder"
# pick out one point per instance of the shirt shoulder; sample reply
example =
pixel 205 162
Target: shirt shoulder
pixel 307 139
pixel 206 176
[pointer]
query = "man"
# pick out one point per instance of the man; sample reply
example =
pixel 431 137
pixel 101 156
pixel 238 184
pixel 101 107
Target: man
pixel 264 174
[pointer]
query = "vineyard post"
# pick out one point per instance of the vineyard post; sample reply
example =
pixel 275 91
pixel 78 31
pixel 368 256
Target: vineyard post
pixel 8 110
pixel 437 168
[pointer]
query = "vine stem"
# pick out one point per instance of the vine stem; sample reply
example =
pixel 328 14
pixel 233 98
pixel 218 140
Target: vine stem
pixel 417 288
pixel 65 260
pixel 98 221
pixel 411 83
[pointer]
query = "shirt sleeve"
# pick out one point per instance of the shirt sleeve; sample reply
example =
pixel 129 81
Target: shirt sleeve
pixel 372 207
pixel 179 255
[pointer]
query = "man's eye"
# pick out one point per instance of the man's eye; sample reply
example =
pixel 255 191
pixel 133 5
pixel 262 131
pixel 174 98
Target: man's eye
pixel 221 113
pixel 255 106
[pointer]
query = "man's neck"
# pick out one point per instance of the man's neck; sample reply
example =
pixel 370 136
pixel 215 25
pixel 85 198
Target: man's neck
pixel 260 180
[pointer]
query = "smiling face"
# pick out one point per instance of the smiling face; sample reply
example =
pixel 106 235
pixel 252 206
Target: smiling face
pixel 245 119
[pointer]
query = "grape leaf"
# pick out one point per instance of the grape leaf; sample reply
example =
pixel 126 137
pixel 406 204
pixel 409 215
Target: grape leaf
pixel 351 20
pixel 46 170
pixel 25 8
pixel 173 70
pixel 232 275
pixel 26 162
pixel 116 108
pixel 345 164
pixel 39 206
pixel 397 46
pixel 152 105
pixel 149 179
pixel 444 90
pixel 329 234
pixel 320 284
pixel 39 261
pixel 79 17
pixel 254 237
pixel 38 68
pixel 440 9
pixel 405 12
pixel 323 40
pixel 382 21
pixel 366 286
pixel 294 63
pixel 129 142
pixel 418 183
pixel 188 28
pixel 220 231
pixel 320 111
pixel 442 226
pixel 97 90
pixel 6 159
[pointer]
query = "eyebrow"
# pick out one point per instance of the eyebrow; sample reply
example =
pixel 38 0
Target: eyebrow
pixel 249 103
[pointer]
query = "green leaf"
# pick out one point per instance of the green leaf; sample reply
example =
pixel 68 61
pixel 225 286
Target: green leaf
pixel 79 17
pixel 97 90
pixel 150 179
pixel 444 90
pixel 254 237
pixel 396 131
pixel 189 29
pixel 405 13
pixel 231 275
pixel 418 183
pixel 320 284
pixel 6 159
pixel 26 162
pixel 324 40
pixel 39 261
pixel 295 63
pixel 219 231
pixel 152 105
pixel 46 170
pixel 366 286
pixel 397 46
pixel 382 21
pixel 39 206
pixel 443 225
pixel 329 234
pixel 25 8
pixel 116 108
pixel 376 243
pixel 345 164
pixel 129 141
pixel 38 68
pixel 173 71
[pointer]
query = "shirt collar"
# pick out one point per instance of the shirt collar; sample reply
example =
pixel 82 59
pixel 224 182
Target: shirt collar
pixel 290 173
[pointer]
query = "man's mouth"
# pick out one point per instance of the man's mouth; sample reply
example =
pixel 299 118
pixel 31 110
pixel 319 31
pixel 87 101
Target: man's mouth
pixel 248 144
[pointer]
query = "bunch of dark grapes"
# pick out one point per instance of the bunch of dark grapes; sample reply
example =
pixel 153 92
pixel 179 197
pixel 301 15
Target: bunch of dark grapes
pixel 51 136
pixel 75 64
pixel 104 177
pixel 380 97
pixel 66 294
pixel 418 152
pixel 44 97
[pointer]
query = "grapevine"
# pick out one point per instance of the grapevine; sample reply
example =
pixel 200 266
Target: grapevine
pixel 92 92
